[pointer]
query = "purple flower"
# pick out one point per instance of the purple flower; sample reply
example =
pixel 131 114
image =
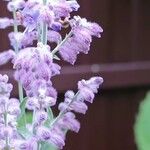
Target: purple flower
pixel 38 103
pixel 13 107
pixel 56 26
pixel 15 5
pixel 80 39
pixel 87 88
pixel 79 106
pixel 46 15
pixel 29 144
pixel 6 131
pixel 57 138
pixel 76 103
pixel 9 111
pixel 37 63
pixel 55 69
pixel 43 134
pixel 73 5
pixel 5 88
pixel 30 15
pixel 35 67
pixel 5 22
pixel 41 116
pixel 32 103
pixel 35 12
pixel 68 121
pixel 22 39
pixel 86 95
pixel 79 23
pixel 63 8
pixel 54 36
pixel 69 94
pixel 93 84
pixel 6 56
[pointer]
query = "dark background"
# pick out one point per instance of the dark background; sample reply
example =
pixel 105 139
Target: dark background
pixel 122 58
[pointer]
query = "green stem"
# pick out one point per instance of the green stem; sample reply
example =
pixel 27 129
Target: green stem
pixel 21 97
pixel 6 124
pixel 64 111
pixel 44 2
pixel 44 33
pixel 15 30
pixel 33 120
pixel 39 146
pixel 61 43
pixel 44 28
pixel 39 33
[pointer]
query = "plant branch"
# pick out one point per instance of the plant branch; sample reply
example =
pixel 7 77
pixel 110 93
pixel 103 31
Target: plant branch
pixel 44 28
pixel 16 47
pixel 61 43
pixel 64 111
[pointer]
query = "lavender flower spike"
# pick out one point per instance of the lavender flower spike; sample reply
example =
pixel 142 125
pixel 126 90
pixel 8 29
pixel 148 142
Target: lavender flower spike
pixel 9 111
pixel 86 88
pixel 80 39
pixel 75 102
pixel 35 64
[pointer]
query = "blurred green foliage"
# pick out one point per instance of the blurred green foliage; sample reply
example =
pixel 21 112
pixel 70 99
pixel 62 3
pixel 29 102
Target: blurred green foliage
pixel 142 125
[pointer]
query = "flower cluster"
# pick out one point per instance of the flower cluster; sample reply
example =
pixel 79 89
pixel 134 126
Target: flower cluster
pixel 80 39
pixel 36 47
pixel 6 56
pixel 66 120
pixel 9 111
pixel 36 63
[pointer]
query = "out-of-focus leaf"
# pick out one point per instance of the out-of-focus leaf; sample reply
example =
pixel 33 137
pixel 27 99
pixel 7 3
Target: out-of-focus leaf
pixel 142 125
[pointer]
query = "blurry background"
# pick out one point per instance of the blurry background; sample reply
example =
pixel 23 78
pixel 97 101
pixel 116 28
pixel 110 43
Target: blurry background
pixel 122 58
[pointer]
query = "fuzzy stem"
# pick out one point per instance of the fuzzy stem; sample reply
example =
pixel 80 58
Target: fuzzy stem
pixel 20 89
pixel 39 146
pixel 16 47
pixel 44 34
pixel 64 111
pixel 61 43
pixel 6 124
pixel 39 32
pixel 44 28
pixel 15 30
pixel 44 2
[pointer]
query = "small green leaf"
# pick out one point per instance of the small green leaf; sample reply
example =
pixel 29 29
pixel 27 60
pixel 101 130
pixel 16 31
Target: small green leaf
pixel 24 132
pixel 22 118
pixel 47 146
pixel 142 125
pixel 29 117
